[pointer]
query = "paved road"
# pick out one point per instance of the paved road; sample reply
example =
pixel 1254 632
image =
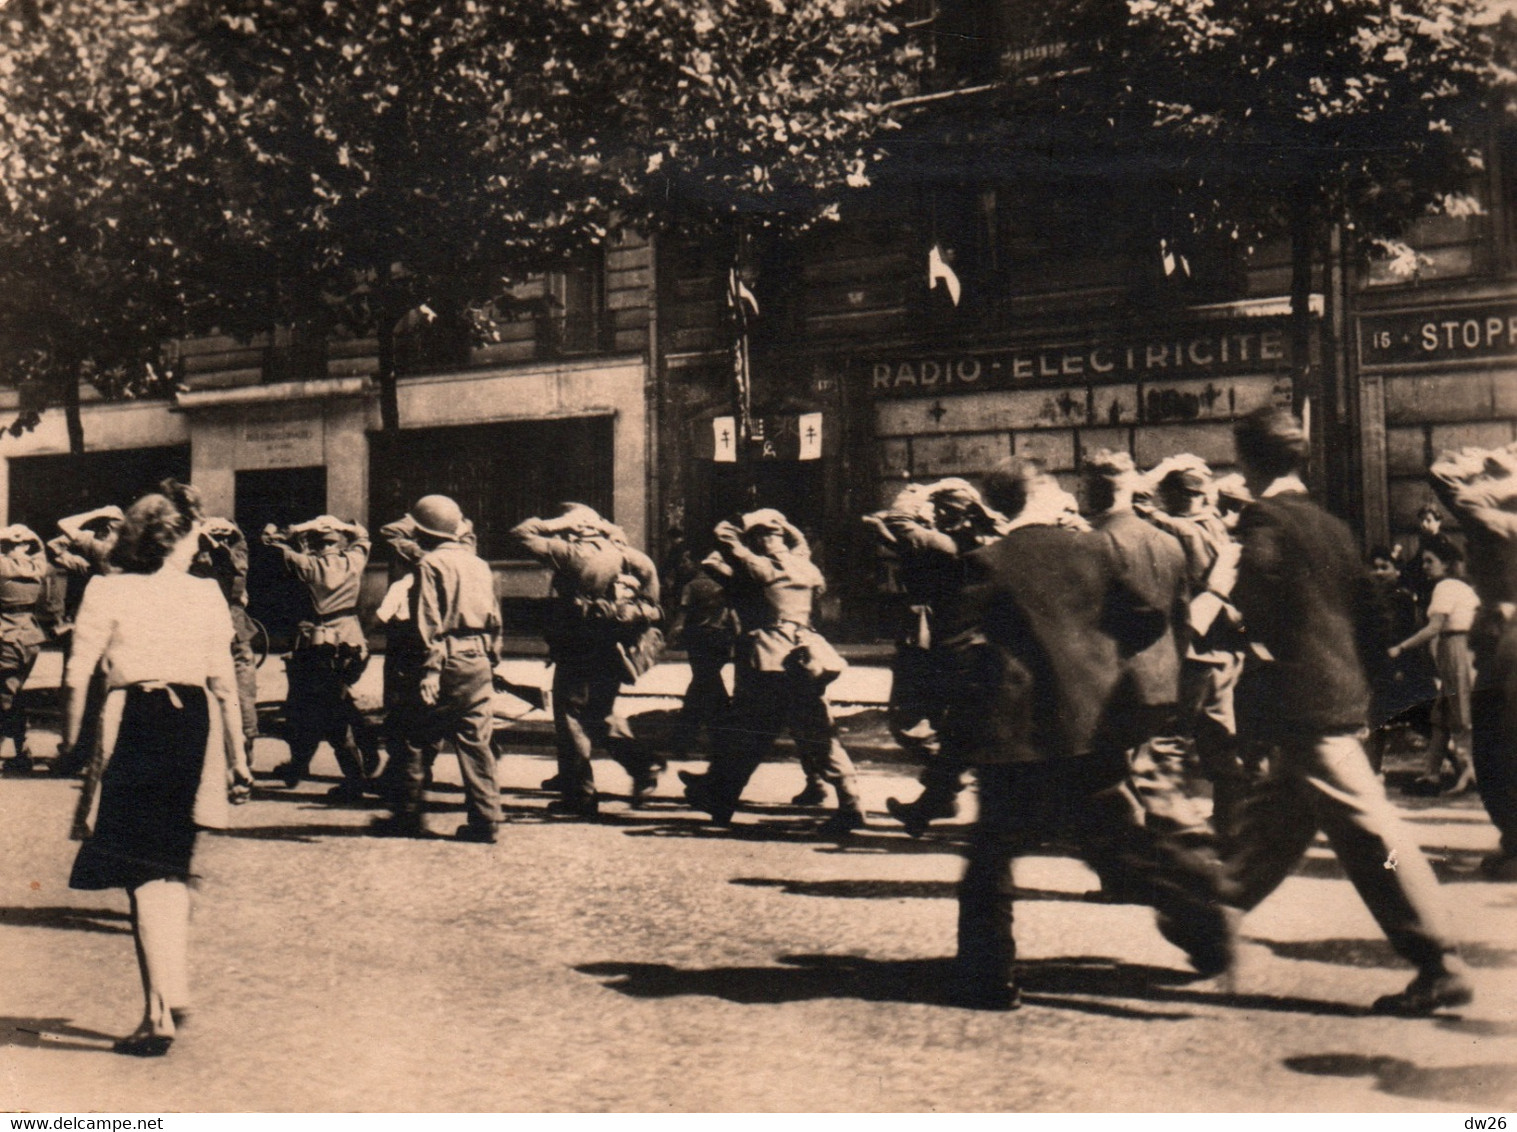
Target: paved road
pixel 652 963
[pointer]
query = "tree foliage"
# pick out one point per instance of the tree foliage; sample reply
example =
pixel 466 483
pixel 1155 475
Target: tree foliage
pixel 335 164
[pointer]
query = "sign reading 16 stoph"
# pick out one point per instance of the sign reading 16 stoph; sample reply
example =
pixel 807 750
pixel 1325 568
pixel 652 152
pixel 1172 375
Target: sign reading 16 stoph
pixel 1471 333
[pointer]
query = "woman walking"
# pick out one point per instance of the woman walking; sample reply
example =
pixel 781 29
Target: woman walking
pixel 163 638
pixel 1450 613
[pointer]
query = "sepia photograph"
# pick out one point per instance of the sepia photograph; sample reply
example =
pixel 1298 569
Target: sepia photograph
pixel 758 556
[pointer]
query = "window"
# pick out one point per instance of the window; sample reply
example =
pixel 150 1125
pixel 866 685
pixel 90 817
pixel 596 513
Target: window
pixel 499 474
pixel 572 321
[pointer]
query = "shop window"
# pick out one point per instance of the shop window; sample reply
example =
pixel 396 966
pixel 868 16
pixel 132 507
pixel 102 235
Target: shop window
pixel 499 474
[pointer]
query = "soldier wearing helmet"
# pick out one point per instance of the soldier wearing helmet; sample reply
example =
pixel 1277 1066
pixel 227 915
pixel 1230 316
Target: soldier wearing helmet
pixel 456 621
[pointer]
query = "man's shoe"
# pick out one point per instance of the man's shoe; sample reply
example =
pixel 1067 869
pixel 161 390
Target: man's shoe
pixel 397 825
pixel 692 778
pixel 699 796
pixel 290 774
pixel 813 795
pixel 1499 866
pixel 984 994
pixel 554 784
pixel 909 814
pixel 346 791
pixel 842 823
pixel 479 834
pixel 567 808
pixel 21 764
pixel 1427 994
pixel 1215 950
pixel 643 785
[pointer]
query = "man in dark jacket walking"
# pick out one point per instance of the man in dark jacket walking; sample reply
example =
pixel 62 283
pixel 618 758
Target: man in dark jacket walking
pixel 1039 666
pixel 1302 591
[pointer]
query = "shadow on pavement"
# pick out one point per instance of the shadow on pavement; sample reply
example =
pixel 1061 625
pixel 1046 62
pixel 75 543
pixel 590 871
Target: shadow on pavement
pixel 1379 953
pixel 1044 982
pixel 1486 1085
pixel 67 919
pixel 305 834
pixel 891 889
pixel 51 1033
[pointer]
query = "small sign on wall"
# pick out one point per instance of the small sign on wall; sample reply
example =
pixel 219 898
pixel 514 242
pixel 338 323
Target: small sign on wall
pixel 290 437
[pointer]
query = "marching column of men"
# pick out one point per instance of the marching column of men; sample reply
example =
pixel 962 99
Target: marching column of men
pixel 1072 666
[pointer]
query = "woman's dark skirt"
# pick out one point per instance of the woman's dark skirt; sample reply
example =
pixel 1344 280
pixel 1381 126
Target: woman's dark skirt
pixel 146 828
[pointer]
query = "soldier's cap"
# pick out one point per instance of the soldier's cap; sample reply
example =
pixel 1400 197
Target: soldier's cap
pixel 1107 464
pixel 321 525
pixel 1232 486
pixel 915 499
pixel 765 520
pixel 1185 472
pixel 438 516
pixel 768 521
pixel 587 522
pixel 955 491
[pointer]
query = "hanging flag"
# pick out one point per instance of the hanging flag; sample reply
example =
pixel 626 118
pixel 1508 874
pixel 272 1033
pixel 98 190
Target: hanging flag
pixel 1172 260
pixel 740 299
pixel 740 289
pixel 937 268
pixel 724 440
pixel 809 428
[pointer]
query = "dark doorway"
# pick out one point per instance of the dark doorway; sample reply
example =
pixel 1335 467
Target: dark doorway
pixel 280 496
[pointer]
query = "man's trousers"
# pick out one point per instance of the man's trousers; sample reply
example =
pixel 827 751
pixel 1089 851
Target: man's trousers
pixel 1324 782
pixel 463 713
pixel 765 704
pixel 1085 801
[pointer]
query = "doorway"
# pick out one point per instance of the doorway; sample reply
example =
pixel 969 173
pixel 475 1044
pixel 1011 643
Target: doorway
pixel 280 496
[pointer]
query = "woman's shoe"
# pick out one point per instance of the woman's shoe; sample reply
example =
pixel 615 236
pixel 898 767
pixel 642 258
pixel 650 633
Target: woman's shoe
pixel 144 1045
pixel 1423 787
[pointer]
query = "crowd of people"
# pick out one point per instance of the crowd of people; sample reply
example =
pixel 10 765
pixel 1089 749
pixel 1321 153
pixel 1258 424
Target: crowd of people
pixel 1083 666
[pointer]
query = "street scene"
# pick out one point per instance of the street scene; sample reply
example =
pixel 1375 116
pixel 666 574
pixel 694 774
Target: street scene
pixel 651 963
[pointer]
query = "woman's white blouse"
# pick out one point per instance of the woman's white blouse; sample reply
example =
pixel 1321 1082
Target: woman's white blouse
pixel 167 626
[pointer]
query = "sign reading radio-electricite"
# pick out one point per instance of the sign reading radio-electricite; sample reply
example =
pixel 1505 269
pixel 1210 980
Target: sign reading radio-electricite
pixel 1201 351
pixel 1455 334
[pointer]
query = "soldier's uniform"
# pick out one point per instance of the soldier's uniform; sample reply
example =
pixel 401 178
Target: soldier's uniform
pixel 1215 650
pixel 456 621
pixel 586 624
pixel 23 565
pixel 330 650
pixel 927 528
pixel 223 557
pixel 783 668
pixel 81 552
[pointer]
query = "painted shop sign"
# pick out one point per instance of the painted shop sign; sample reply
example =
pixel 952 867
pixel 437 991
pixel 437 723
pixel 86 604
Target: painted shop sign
pixel 1202 351
pixel 1456 334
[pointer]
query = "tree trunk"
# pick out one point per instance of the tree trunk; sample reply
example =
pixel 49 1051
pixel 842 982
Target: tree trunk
pixel 389 397
pixel 71 415
pixel 1303 259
